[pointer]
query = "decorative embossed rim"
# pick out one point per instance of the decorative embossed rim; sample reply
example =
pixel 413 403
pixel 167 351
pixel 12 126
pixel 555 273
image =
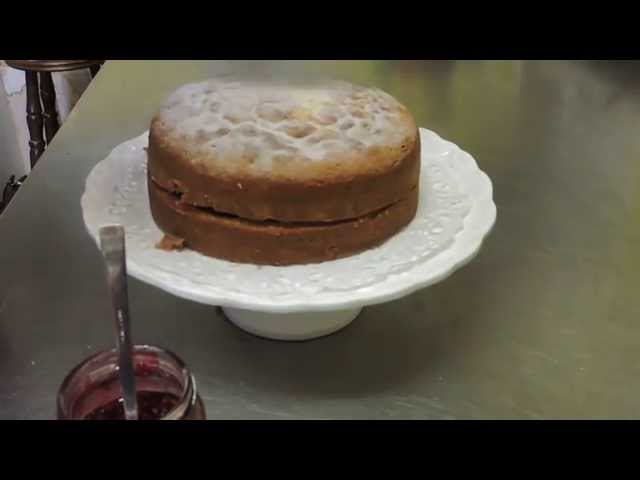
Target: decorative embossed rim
pixel 477 224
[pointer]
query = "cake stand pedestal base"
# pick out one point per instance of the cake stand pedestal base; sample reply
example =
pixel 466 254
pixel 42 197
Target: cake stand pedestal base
pixel 291 326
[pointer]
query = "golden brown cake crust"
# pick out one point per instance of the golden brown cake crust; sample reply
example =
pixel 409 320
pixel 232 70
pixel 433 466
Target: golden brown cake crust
pixel 274 243
pixel 348 196
pixel 265 150
pixel 276 173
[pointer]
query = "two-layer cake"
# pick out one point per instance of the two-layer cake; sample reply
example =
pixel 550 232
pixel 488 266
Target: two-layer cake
pixel 276 173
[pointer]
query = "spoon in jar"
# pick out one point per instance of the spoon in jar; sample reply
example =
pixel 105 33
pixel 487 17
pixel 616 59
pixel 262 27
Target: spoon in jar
pixel 112 245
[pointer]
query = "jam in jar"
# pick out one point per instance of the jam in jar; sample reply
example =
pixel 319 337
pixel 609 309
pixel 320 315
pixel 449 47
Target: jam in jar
pixel 166 390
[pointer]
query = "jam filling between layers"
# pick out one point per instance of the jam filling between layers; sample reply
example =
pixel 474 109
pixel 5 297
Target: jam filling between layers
pixel 188 206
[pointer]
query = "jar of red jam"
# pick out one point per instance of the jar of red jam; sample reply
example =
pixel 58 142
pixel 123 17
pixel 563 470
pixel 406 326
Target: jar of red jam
pixel 166 389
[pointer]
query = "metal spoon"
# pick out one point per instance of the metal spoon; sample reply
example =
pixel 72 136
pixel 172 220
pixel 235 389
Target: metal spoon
pixel 112 245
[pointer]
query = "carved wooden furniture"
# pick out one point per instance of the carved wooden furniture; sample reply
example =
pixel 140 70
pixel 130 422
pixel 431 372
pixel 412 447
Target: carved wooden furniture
pixel 42 115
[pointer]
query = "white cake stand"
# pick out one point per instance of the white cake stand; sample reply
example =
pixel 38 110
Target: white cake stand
pixel 300 302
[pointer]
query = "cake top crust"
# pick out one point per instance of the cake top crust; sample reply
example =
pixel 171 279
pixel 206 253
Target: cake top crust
pixel 272 127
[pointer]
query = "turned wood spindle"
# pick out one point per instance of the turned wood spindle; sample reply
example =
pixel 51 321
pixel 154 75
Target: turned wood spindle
pixel 34 118
pixel 40 88
pixel 50 113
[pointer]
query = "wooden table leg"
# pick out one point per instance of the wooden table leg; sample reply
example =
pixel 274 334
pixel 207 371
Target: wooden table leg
pixel 34 117
pixel 50 114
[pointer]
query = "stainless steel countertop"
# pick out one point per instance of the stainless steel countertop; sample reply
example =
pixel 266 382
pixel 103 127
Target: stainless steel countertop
pixel 544 323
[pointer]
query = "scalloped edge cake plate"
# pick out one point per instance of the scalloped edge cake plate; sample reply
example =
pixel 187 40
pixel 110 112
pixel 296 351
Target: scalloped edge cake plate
pixel 455 214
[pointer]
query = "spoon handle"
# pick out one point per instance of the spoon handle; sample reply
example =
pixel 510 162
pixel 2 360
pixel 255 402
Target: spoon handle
pixel 112 244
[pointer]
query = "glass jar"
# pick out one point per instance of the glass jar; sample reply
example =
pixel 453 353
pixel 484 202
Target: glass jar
pixel 166 389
